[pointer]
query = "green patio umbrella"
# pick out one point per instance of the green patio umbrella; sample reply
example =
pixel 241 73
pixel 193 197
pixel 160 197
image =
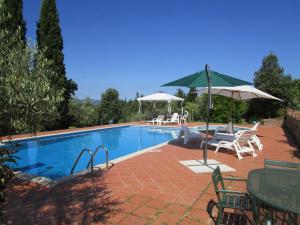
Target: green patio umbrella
pixel 200 80
pixel 207 78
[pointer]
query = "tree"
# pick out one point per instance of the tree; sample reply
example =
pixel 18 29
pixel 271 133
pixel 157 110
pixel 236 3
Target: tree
pixel 32 100
pixel 110 107
pixel 180 93
pixel 13 18
pixel 226 109
pixel 50 40
pixel 271 79
pixel 84 112
pixel 192 95
pixel 297 98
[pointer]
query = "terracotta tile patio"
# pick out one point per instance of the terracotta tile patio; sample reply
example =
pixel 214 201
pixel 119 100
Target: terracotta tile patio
pixel 152 188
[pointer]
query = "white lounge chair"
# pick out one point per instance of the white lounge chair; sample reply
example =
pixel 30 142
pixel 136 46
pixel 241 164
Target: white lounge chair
pixel 157 120
pixel 174 119
pixel 241 144
pixel 254 139
pixel 219 136
pixel 187 135
pixel 230 137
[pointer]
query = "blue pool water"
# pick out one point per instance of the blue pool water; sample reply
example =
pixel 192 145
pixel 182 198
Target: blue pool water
pixel 53 156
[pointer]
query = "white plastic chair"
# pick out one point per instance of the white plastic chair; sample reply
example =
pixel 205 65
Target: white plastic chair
pixel 184 118
pixel 241 144
pixel 187 135
pixel 231 137
pixel 174 119
pixel 254 139
pixel 157 120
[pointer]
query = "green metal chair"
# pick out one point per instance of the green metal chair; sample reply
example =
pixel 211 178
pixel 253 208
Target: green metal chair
pixel 281 164
pixel 229 198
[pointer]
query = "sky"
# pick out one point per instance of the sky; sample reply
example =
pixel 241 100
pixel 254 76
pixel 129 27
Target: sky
pixel 138 45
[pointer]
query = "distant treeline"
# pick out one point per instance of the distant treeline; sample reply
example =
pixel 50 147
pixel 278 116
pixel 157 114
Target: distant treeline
pixel 269 78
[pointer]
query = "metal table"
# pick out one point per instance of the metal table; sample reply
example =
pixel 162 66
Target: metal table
pixel 278 188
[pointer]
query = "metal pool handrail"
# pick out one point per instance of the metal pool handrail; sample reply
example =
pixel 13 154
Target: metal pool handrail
pixel 79 156
pixel 97 149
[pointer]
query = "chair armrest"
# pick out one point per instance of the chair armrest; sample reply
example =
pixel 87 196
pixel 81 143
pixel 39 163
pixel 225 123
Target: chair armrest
pixel 224 142
pixel 235 178
pixel 232 192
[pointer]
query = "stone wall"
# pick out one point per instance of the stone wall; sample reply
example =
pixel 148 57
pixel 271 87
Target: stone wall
pixel 292 124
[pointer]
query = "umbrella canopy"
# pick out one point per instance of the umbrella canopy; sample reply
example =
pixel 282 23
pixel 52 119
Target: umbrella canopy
pixel 244 92
pixel 159 97
pixel 207 78
pixel 200 80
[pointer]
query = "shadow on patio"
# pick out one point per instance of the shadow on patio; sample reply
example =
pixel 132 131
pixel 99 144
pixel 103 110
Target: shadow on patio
pixel 82 200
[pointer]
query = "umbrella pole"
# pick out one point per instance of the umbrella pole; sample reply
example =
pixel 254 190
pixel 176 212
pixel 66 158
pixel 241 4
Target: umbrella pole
pixel 232 111
pixel 208 112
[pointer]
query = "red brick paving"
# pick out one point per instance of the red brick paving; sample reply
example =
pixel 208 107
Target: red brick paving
pixel 152 188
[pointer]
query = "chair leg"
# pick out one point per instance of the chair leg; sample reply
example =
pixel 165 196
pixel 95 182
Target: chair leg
pixel 257 142
pixel 217 149
pixel 238 152
pixel 255 210
pixel 220 214
pixel 251 147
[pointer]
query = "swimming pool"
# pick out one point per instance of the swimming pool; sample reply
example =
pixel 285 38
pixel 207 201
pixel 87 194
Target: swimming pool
pixel 53 156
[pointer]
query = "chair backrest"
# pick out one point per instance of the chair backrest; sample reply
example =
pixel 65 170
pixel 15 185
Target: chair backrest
pixel 174 117
pixel 186 113
pixel 218 182
pixel 225 129
pixel 229 128
pixel 244 137
pixel 160 117
pixel 255 126
pixel 281 164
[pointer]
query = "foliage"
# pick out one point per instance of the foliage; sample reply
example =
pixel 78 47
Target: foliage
pixel 84 113
pixel 6 174
pixel 130 110
pixel 195 109
pixel 297 96
pixel 12 20
pixel 221 112
pixel 271 79
pixel 29 99
pixel 192 95
pixel 180 93
pixel 110 107
pixel 226 109
pixel 176 106
pixel 50 40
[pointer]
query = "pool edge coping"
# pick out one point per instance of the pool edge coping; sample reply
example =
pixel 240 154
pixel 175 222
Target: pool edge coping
pixel 50 182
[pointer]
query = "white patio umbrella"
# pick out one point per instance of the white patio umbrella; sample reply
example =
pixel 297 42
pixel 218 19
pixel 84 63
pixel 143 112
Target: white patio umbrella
pixel 160 97
pixel 242 93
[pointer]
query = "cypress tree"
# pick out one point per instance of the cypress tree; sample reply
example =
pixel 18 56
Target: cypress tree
pixel 50 39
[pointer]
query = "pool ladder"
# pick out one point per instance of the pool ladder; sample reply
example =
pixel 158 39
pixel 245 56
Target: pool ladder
pixel 92 156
